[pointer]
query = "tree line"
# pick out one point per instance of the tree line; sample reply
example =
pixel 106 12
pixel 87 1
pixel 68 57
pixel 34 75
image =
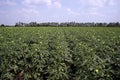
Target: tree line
pixel 64 24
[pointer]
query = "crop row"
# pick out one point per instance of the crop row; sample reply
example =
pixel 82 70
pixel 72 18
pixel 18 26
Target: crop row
pixel 60 53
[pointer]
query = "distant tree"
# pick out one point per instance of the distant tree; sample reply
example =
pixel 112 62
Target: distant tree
pixel 111 25
pixel 117 24
pixel 33 24
pixel 66 24
pixel 2 25
pixel 20 24
pixel 16 25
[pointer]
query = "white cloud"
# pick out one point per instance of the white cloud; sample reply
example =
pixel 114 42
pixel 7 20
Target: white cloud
pixel 49 3
pixel 97 3
pixel 38 2
pixel 102 3
pixel 57 4
pixel 68 9
pixel 72 12
pixel 8 2
pixel 98 7
pixel 112 3
pixel 94 13
pixel 28 12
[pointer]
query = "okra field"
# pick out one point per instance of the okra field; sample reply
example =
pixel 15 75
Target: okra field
pixel 59 53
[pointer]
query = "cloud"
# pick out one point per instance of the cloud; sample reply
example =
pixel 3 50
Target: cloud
pixel 28 12
pixel 99 7
pixel 102 3
pixel 97 3
pixel 8 2
pixel 49 3
pixel 112 3
pixel 57 4
pixel 58 10
pixel 72 12
pixel 37 2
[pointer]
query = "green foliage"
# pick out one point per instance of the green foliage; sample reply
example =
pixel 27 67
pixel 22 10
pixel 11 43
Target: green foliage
pixel 60 53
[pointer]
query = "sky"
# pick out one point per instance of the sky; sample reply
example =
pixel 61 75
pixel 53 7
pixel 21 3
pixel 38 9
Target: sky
pixel 12 11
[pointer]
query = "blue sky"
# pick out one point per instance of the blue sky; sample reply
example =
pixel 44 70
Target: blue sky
pixel 12 11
